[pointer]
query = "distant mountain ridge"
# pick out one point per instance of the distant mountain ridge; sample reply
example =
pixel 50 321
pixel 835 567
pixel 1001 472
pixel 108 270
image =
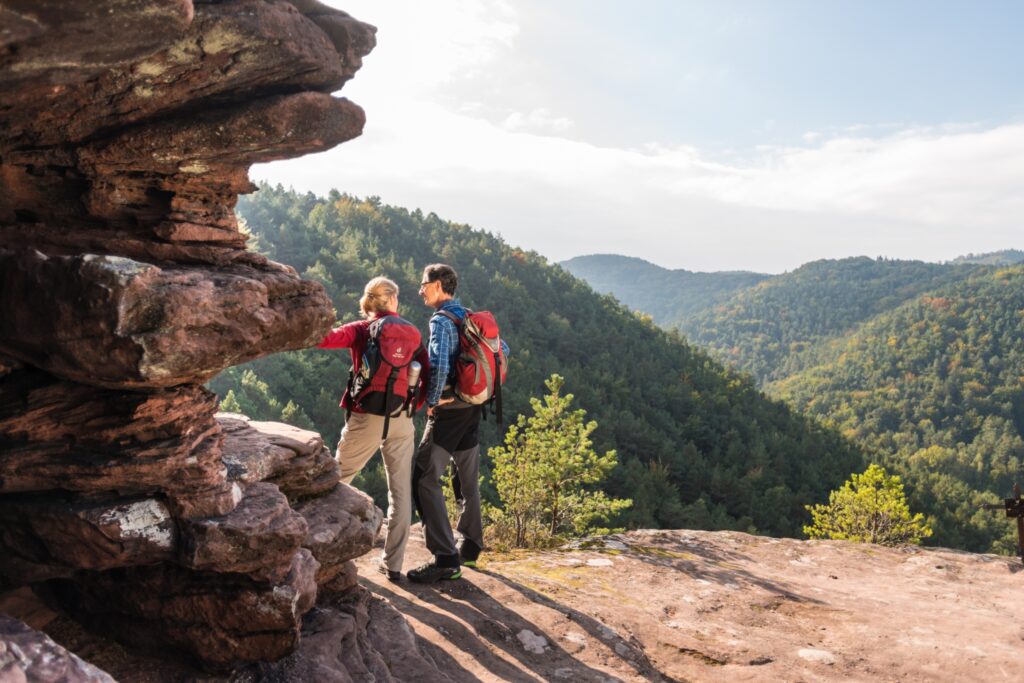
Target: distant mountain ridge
pixel 1006 257
pixel 668 296
pixel 772 330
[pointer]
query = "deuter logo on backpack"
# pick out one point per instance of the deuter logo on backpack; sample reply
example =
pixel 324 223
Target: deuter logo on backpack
pixel 481 366
pixel 381 384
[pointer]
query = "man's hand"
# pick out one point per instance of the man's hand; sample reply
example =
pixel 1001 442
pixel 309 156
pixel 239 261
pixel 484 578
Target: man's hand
pixel 443 401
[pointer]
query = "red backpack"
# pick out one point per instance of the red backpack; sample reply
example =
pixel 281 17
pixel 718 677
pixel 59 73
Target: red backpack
pixel 380 385
pixel 481 366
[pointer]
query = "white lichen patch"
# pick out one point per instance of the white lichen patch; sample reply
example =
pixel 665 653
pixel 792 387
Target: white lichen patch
pixel 147 519
pixel 220 39
pixel 150 68
pixel 185 51
pixel 325 536
pixel 236 493
pixel 142 91
pixel 194 167
pixel 282 594
pixel 121 268
pixel 575 637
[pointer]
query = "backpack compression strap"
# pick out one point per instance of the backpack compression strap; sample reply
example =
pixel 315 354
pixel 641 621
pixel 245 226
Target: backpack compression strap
pixel 387 393
pixel 497 385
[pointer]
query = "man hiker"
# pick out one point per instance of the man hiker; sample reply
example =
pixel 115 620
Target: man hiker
pixel 451 434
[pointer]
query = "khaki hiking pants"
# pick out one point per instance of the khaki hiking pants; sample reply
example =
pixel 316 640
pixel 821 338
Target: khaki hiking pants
pixel 360 439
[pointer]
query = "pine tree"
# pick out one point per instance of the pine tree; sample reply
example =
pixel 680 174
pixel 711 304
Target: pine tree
pixel 545 472
pixel 230 403
pixel 870 508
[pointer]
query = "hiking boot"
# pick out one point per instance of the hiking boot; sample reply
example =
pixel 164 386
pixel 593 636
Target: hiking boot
pixel 469 553
pixel 429 573
pixel 393 576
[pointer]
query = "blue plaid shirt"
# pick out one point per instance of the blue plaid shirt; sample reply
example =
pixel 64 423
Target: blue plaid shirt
pixel 443 349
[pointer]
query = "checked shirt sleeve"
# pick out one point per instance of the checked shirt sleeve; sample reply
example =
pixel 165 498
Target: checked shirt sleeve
pixel 444 337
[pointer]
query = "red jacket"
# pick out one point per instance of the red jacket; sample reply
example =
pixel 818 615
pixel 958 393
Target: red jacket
pixel 354 337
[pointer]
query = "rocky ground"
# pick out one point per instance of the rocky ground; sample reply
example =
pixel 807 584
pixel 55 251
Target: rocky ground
pixel 643 606
pixel 703 606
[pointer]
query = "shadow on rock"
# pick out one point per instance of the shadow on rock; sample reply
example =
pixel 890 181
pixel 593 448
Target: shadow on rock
pixel 629 651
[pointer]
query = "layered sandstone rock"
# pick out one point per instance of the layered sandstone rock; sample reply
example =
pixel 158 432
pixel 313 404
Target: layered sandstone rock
pixel 116 322
pixel 294 459
pixel 127 128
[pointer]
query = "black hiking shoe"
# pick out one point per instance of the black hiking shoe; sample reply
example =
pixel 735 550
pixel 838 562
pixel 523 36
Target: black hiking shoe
pixel 393 576
pixel 469 553
pixel 429 573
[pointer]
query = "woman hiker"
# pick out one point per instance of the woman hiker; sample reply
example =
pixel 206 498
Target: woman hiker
pixel 383 348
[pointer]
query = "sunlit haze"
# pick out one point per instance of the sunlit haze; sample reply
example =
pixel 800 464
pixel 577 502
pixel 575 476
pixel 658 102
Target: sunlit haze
pixel 699 135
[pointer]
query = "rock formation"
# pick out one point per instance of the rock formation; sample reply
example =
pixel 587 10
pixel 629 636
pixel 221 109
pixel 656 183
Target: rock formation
pixel 22 649
pixel 127 128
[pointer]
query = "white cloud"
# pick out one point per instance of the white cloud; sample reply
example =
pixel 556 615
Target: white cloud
pixel 968 179
pixel 845 196
pixel 539 119
pixel 911 193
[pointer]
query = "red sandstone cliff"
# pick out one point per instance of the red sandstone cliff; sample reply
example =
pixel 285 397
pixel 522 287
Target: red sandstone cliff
pixel 127 128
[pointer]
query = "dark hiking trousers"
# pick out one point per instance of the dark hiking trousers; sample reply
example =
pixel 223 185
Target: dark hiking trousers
pixel 452 434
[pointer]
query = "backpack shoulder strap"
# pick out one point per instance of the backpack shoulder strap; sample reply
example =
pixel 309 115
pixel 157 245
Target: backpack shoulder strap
pixel 373 329
pixel 451 316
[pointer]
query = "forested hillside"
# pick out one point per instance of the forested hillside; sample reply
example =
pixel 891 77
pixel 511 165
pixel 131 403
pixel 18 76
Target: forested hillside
pixel 699 445
pixel 668 296
pixel 767 330
pixel 919 363
pixel 768 326
pixel 935 389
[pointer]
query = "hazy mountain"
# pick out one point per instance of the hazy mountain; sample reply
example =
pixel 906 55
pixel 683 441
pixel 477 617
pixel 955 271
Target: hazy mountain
pixel 668 296
pixel 1006 257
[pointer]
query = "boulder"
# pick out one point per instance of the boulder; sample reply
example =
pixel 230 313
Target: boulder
pixel 358 638
pixel 114 322
pixel 342 526
pixel 294 459
pixel 28 656
pixel 127 128
pixel 220 620
pixel 258 538
pixel 43 537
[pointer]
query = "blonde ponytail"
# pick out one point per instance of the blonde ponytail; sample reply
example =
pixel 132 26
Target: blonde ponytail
pixel 376 294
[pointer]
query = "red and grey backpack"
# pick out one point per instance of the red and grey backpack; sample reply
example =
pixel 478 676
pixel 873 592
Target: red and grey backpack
pixel 380 385
pixel 481 366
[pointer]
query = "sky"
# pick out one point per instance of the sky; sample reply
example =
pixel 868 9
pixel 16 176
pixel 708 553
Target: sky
pixel 705 135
